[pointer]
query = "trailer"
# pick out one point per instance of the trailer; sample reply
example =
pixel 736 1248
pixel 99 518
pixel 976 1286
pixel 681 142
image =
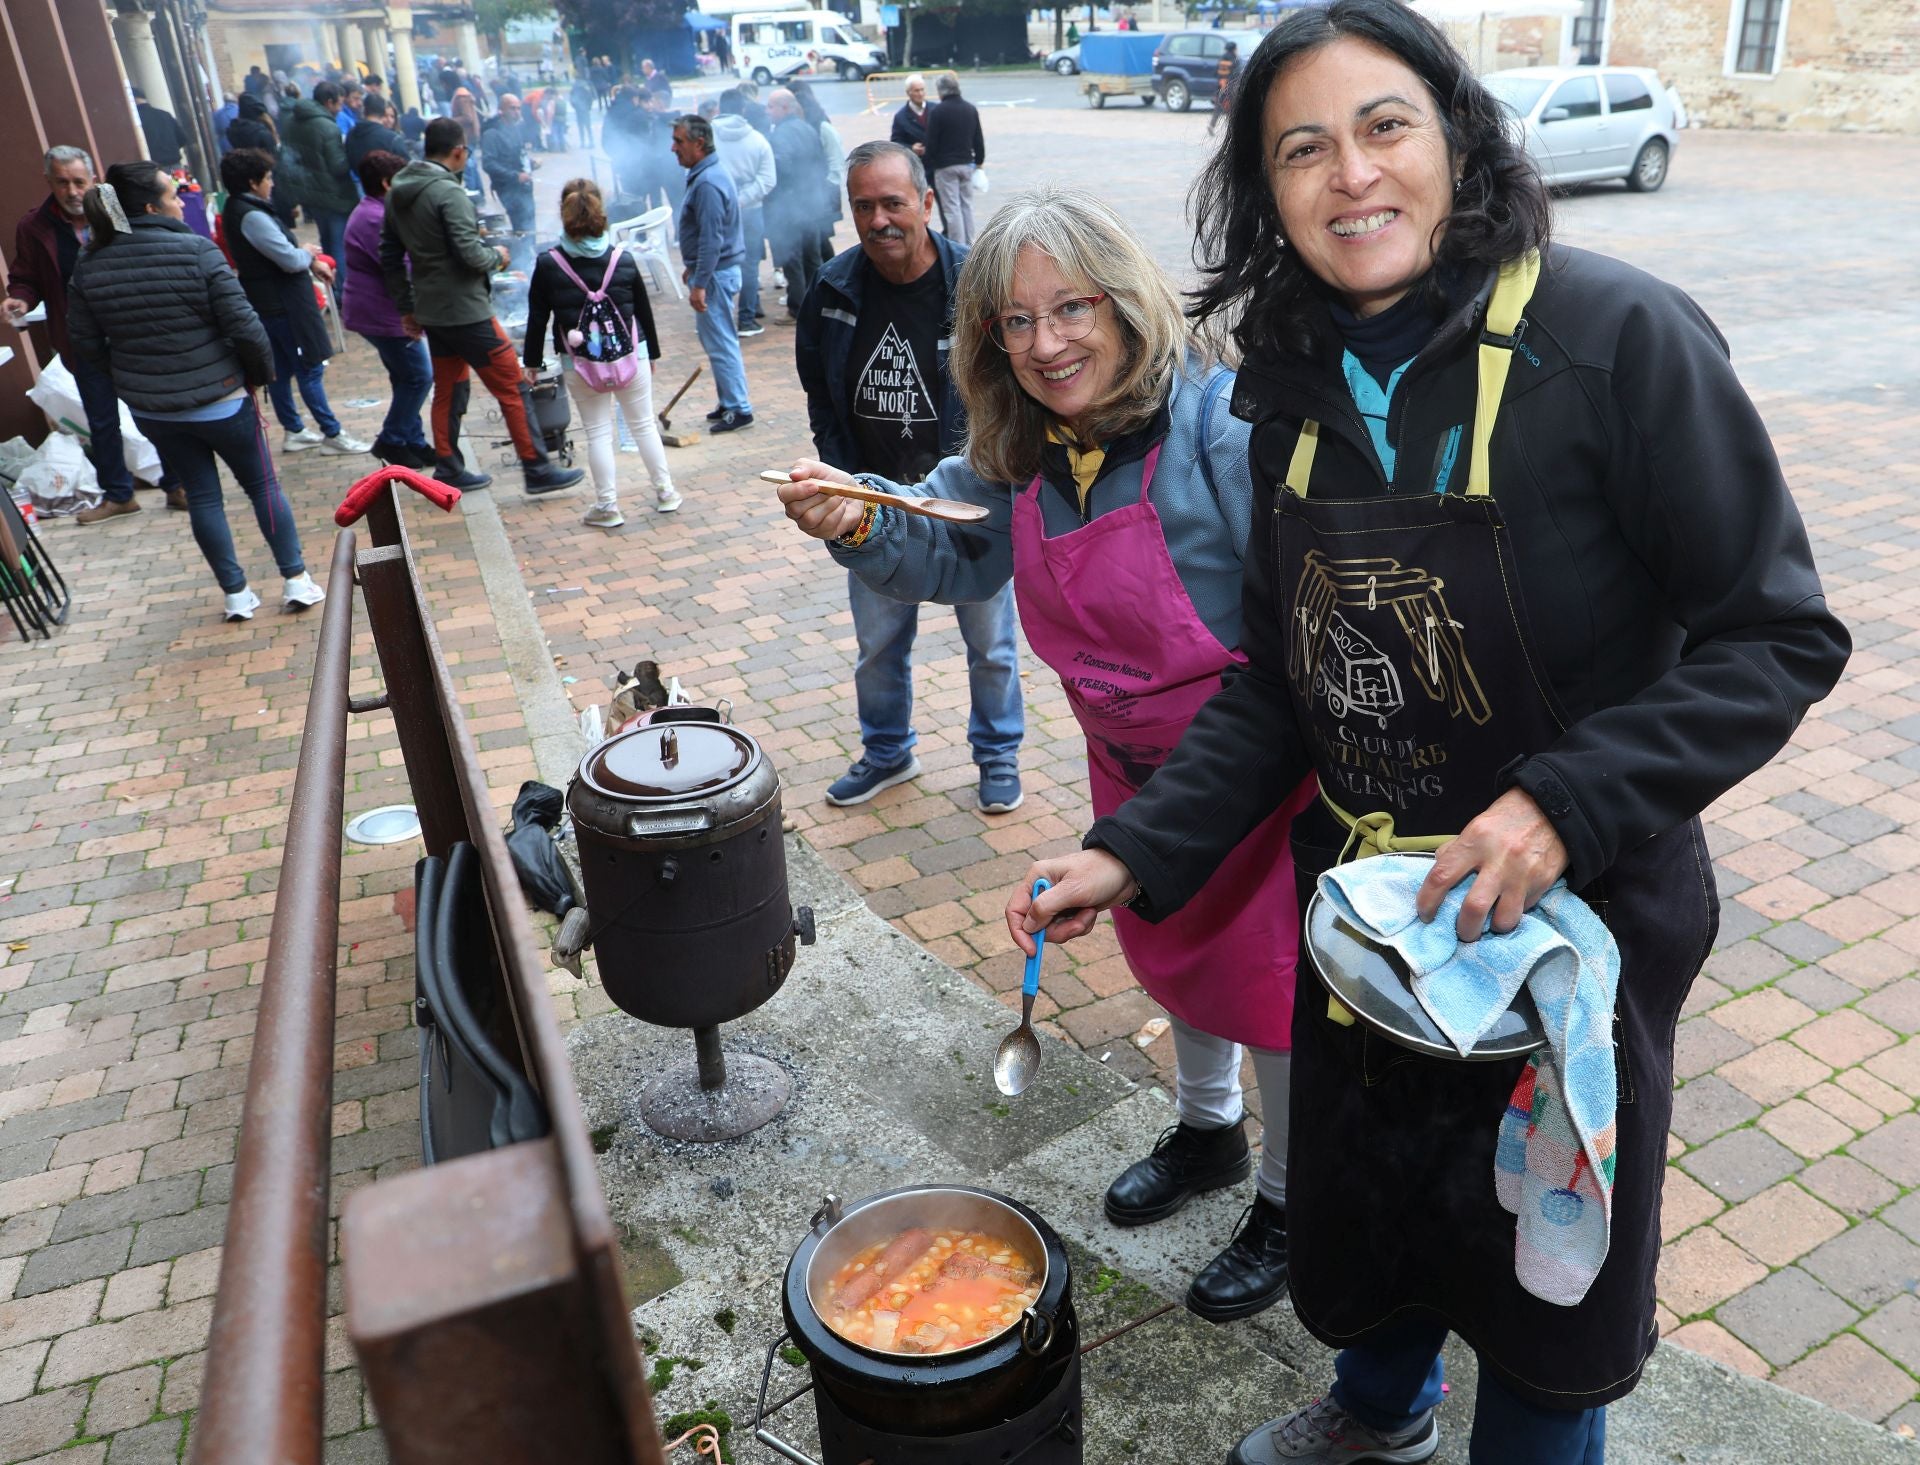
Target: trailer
pixel 1117 64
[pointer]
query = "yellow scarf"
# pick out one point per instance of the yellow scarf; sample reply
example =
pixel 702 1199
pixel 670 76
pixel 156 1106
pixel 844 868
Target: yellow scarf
pixel 1082 461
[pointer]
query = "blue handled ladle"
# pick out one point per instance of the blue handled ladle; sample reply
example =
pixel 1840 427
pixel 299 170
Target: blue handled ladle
pixel 1019 1057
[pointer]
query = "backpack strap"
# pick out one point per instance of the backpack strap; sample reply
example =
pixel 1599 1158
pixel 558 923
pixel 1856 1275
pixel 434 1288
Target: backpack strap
pixel 1209 396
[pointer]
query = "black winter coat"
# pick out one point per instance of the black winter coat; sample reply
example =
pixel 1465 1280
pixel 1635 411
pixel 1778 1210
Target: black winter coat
pixel 163 310
pixel 372 137
pixel 1663 568
pixel 551 294
pixel 953 135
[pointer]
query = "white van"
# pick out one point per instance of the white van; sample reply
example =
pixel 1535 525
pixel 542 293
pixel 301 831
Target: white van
pixel 771 45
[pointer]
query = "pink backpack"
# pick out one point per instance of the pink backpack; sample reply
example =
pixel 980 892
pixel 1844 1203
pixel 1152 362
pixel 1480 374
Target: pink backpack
pixel 604 346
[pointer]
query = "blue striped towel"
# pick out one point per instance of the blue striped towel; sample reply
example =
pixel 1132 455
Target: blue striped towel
pixel 1554 1160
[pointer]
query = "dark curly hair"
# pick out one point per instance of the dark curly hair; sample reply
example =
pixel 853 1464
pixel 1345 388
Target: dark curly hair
pixel 1254 289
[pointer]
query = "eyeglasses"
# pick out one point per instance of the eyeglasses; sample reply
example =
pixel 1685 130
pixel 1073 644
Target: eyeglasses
pixel 1071 320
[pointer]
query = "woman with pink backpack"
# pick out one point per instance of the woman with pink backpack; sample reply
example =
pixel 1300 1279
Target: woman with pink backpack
pixel 604 334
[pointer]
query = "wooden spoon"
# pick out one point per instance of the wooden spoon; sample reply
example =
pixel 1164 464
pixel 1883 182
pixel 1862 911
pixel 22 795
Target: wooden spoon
pixel 951 510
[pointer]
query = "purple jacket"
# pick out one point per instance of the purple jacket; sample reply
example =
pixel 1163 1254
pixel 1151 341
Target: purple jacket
pixel 365 305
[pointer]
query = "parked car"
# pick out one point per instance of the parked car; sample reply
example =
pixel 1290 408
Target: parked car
pixel 1187 65
pixel 1065 61
pixel 1582 123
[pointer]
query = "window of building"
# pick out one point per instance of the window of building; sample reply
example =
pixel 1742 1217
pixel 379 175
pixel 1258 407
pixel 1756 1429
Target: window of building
pixel 1758 29
pixel 1627 93
pixel 1589 33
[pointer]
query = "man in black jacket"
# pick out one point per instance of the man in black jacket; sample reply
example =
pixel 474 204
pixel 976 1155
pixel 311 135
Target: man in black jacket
pixel 503 154
pixel 374 132
pixel 910 122
pixel 798 207
pixel 165 141
pixel 871 350
pixel 955 147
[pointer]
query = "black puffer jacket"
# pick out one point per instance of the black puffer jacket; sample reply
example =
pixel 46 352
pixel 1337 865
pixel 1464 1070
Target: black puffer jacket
pixel 1662 564
pixel 551 293
pixel 163 310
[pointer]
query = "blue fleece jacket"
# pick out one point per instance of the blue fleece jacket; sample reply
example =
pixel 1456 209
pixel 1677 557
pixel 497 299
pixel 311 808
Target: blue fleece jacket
pixel 710 236
pixel 1202 490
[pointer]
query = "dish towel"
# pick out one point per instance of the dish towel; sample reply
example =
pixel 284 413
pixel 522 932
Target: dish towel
pixel 1554 1161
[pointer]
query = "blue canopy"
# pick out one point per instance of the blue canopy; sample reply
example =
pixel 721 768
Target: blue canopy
pixel 698 22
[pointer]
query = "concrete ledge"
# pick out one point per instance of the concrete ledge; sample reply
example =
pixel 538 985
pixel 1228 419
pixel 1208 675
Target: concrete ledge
pixel 892 1052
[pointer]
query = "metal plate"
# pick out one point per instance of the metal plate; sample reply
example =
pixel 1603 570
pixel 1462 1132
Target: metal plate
pixel 390 824
pixel 1374 983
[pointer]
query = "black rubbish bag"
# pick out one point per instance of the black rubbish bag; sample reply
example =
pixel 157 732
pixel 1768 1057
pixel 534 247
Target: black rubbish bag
pixel 543 874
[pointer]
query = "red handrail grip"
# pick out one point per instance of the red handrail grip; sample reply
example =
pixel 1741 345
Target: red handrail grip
pixel 360 497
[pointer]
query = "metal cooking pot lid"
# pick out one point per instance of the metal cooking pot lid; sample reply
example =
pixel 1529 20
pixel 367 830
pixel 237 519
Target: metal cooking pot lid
pixel 1376 987
pixel 671 761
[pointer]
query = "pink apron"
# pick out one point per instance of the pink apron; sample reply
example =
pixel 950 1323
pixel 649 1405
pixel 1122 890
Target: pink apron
pixel 1104 607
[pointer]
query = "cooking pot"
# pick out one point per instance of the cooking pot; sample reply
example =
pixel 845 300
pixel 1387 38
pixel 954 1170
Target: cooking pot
pixel 942 1393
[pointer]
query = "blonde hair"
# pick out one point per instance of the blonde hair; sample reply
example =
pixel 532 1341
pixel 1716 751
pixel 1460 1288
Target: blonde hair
pixel 1090 245
pixel 583 215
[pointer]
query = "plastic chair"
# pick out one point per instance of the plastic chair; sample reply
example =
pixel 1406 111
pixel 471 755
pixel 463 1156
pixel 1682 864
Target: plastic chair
pixel 646 234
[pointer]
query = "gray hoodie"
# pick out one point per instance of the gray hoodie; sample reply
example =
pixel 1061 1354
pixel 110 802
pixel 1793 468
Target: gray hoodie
pixel 748 157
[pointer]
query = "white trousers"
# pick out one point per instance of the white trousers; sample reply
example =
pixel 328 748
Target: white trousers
pixel 596 421
pixel 1208 1096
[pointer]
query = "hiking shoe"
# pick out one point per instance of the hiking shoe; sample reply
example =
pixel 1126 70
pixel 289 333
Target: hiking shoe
pixel 177 499
pixel 454 474
pixel 1325 1432
pixel 547 476
pixel 342 443
pixel 1251 1274
pixel 301 592
pixel 667 500
pixel 299 442
pixel 242 603
pixel 107 509
pixel 750 328
pixel 999 788
pixel 1186 1161
pixel 862 781
pixel 732 421
pixel 603 516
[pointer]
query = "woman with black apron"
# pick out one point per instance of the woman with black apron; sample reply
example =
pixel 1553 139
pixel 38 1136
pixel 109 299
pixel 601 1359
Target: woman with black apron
pixel 1526 587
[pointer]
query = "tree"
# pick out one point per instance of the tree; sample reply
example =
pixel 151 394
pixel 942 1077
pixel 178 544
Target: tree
pixel 492 17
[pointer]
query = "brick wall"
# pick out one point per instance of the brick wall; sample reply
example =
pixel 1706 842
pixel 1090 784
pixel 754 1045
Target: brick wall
pixel 1847 65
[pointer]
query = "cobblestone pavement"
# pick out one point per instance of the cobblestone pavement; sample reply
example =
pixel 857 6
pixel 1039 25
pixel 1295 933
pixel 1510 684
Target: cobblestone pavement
pixel 146 755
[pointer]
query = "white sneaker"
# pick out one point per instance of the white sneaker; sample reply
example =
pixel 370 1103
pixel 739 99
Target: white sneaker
pixel 342 442
pixel 301 592
pixel 603 516
pixel 242 604
pixel 667 500
pixel 299 442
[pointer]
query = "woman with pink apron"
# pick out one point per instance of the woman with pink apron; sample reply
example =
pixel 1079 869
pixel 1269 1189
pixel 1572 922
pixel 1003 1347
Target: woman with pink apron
pixel 1118 492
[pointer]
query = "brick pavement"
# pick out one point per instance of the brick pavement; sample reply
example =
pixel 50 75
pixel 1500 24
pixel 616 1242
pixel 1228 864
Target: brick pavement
pixel 148 750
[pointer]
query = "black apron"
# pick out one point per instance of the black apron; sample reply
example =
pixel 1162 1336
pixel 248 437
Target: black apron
pixel 1417 685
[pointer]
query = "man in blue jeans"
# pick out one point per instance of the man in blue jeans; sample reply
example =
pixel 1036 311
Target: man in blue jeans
pixel 47 246
pixel 871 348
pixel 712 250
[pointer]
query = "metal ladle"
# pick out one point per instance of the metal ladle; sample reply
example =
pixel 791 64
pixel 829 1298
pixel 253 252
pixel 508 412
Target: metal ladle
pixel 1019 1057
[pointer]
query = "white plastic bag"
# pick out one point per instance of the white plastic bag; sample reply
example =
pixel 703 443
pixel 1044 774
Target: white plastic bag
pixel 15 454
pixel 60 480
pixel 57 395
pixel 981 183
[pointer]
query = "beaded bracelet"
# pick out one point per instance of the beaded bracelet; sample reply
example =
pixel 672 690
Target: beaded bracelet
pixel 863 531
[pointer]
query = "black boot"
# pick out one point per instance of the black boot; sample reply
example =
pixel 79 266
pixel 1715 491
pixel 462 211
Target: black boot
pixel 1185 1162
pixel 452 470
pixel 546 476
pixel 1251 1274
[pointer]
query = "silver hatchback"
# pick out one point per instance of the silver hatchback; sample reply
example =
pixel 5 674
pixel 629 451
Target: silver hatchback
pixel 1583 123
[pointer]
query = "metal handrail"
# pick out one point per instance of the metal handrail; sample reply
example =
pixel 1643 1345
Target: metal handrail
pixel 263 1395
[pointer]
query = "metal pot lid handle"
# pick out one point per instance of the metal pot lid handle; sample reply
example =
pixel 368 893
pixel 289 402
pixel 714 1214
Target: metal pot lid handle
pixel 1036 1331
pixel 828 1216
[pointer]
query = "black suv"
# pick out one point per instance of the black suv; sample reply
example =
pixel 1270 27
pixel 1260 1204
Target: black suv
pixel 1187 65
